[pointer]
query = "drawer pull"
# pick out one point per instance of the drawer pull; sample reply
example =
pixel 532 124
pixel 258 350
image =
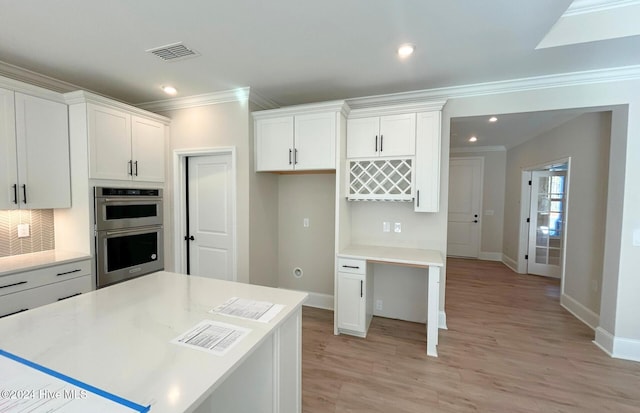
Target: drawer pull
pixel 361 285
pixel 355 267
pixel 15 312
pixel 68 272
pixel 13 285
pixel 72 295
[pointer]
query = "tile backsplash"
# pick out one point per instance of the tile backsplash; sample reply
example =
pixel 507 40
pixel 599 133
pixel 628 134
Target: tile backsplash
pixel 41 228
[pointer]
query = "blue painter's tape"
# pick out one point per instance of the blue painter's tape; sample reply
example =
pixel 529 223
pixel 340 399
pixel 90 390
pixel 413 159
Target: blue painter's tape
pixel 70 380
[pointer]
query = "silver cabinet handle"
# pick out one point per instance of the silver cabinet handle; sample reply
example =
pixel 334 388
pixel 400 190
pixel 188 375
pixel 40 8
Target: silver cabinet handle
pixel 136 163
pixel 361 287
pixel 418 198
pixel 290 156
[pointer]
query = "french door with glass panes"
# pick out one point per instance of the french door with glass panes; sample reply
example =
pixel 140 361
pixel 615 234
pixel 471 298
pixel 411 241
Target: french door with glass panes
pixel 547 218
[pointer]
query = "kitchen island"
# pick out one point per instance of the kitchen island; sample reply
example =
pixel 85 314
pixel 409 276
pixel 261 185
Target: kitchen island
pixel 118 339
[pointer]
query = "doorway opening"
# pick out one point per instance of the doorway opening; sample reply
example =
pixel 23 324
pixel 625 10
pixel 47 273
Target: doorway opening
pixel 205 204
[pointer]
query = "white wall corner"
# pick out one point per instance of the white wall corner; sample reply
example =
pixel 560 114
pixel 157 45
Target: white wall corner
pixel 318 300
pixel 442 320
pixel 490 256
pixel 617 347
pixel 510 263
pixel 581 312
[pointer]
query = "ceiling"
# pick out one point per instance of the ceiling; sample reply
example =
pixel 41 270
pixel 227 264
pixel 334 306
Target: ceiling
pixel 299 51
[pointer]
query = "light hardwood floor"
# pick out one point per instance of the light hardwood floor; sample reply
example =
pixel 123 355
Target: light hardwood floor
pixel 510 348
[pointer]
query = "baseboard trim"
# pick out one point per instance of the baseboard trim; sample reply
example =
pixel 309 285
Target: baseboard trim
pixel 442 320
pixel 490 256
pixel 318 300
pixel 617 347
pixel 510 263
pixel 581 312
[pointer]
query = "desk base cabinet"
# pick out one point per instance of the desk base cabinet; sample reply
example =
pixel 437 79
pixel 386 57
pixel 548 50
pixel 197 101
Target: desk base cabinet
pixel 355 297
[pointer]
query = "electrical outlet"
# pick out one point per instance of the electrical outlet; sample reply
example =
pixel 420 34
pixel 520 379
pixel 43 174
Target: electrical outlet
pixel 397 227
pixel 379 305
pixel 386 226
pixel 305 222
pixel 23 230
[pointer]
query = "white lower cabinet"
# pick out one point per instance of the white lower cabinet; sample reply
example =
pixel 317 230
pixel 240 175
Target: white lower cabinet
pixel 31 289
pixel 355 298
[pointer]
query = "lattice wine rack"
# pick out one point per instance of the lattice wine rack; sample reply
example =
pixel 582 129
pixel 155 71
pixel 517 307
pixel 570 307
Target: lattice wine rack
pixel 381 180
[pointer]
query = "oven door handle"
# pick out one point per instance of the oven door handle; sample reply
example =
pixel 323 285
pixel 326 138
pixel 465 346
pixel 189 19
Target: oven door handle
pixel 140 230
pixel 128 200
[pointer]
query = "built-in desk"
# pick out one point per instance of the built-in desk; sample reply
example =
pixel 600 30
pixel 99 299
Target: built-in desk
pixel 421 258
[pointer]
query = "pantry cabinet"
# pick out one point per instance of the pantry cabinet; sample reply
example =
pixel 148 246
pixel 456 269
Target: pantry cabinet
pixel 427 164
pixel 124 146
pixel 389 135
pixel 34 139
pixel 299 138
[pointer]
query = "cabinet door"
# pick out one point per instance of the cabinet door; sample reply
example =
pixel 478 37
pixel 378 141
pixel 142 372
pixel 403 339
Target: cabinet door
pixel 109 143
pixel 398 135
pixel 315 141
pixel 351 302
pixel 427 167
pixel 274 144
pixel 363 137
pixel 8 164
pixel 42 132
pixel 147 149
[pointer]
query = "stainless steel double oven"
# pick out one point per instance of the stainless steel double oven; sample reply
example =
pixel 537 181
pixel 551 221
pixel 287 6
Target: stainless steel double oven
pixel 128 233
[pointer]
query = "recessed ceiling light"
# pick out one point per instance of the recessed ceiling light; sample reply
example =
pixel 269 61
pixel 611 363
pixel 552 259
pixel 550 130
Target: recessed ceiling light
pixel 493 119
pixel 406 50
pixel 473 139
pixel 169 90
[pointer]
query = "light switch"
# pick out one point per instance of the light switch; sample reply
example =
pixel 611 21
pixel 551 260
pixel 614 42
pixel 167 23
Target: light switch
pixel 386 226
pixel 23 230
pixel 397 227
pixel 305 222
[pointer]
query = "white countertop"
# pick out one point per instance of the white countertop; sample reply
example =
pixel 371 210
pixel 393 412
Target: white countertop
pixel 35 260
pixel 398 255
pixel 118 338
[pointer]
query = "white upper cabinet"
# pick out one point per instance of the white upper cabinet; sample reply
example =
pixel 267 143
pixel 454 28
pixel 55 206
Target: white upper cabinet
pixel 315 141
pixel 390 135
pixel 123 146
pixel 35 172
pixel 427 165
pixel 8 156
pixel 298 138
pixel 274 144
pixel 147 149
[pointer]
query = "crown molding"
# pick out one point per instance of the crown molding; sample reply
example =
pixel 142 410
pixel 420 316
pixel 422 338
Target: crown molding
pixel 225 96
pixel 82 97
pixel 504 86
pixel 35 79
pixel 330 106
pixel 397 108
pixel 594 6
pixel 495 148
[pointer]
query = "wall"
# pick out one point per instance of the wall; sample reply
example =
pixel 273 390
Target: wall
pixel 212 126
pixel 41 227
pixel 311 249
pixel 619 329
pixel 263 221
pixel 493 186
pixel 586 141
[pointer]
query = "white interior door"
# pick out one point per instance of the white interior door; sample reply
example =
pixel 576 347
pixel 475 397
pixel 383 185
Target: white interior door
pixel 211 251
pixel 465 200
pixel 547 217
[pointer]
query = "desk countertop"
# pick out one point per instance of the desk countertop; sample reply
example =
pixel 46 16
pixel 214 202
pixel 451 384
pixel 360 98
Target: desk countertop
pixel 398 255
pixel 118 338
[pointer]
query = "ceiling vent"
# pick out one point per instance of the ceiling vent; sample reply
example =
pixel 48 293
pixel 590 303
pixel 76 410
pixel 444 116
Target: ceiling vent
pixel 173 52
